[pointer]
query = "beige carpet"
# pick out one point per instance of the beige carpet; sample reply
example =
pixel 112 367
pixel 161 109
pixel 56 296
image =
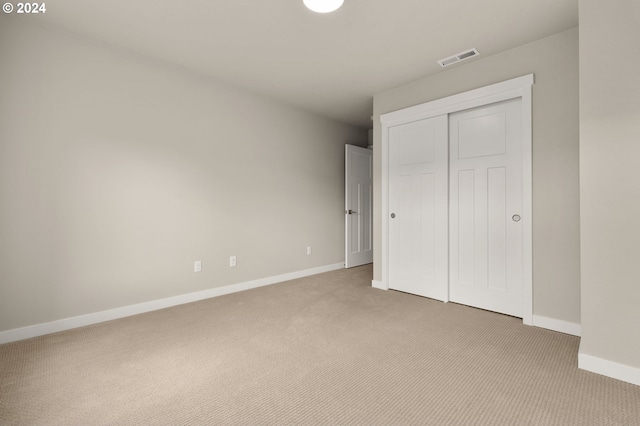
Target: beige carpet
pixel 327 349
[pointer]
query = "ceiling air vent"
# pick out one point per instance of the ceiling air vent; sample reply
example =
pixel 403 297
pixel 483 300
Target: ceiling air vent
pixel 467 54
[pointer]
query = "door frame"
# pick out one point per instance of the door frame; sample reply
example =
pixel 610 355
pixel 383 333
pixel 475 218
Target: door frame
pixel 519 87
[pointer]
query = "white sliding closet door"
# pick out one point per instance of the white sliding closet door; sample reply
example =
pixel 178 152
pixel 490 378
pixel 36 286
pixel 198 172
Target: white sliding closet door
pixel 456 199
pixel 418 198
pixel 486 204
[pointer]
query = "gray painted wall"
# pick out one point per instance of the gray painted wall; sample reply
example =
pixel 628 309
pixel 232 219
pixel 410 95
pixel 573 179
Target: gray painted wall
pixel 117 172
pixel 610 179
pixel 556 239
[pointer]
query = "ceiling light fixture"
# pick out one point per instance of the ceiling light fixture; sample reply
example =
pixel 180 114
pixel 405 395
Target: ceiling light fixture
pixel 323 6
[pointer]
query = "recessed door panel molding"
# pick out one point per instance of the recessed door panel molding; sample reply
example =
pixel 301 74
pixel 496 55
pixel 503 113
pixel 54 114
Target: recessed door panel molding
pixel 482 135
pixel 408 152
pixel 464 263
pixel 487 214
pixel 428 226
pixel 497 228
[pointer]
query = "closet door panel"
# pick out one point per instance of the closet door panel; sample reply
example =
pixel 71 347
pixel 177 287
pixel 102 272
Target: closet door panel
pixel 418 206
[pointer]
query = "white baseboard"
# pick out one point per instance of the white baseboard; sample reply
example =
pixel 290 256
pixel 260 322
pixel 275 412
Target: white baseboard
pixel 557 325
pixel 608 368
pixel 379 285
pixel 154 305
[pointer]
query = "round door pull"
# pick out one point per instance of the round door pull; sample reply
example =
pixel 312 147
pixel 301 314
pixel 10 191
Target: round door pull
pixel 393 215
pixel 516 218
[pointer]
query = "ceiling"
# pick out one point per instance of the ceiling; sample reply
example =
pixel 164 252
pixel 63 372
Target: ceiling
pixel 331 64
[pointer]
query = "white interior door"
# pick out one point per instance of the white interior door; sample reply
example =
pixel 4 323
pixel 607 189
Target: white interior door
pixel 418 199
pixel 358 206
pixel 486 204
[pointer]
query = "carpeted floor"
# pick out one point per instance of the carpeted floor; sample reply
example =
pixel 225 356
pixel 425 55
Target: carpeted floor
pixel 327 349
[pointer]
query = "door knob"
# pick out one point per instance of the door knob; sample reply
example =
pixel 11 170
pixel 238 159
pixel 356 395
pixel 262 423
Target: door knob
pixel 351 211
pixel 516 218
pixel 393 215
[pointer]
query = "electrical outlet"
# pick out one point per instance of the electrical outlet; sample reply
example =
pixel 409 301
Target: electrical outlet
pixel 197 266
pixel 232 261
pixel 308 250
